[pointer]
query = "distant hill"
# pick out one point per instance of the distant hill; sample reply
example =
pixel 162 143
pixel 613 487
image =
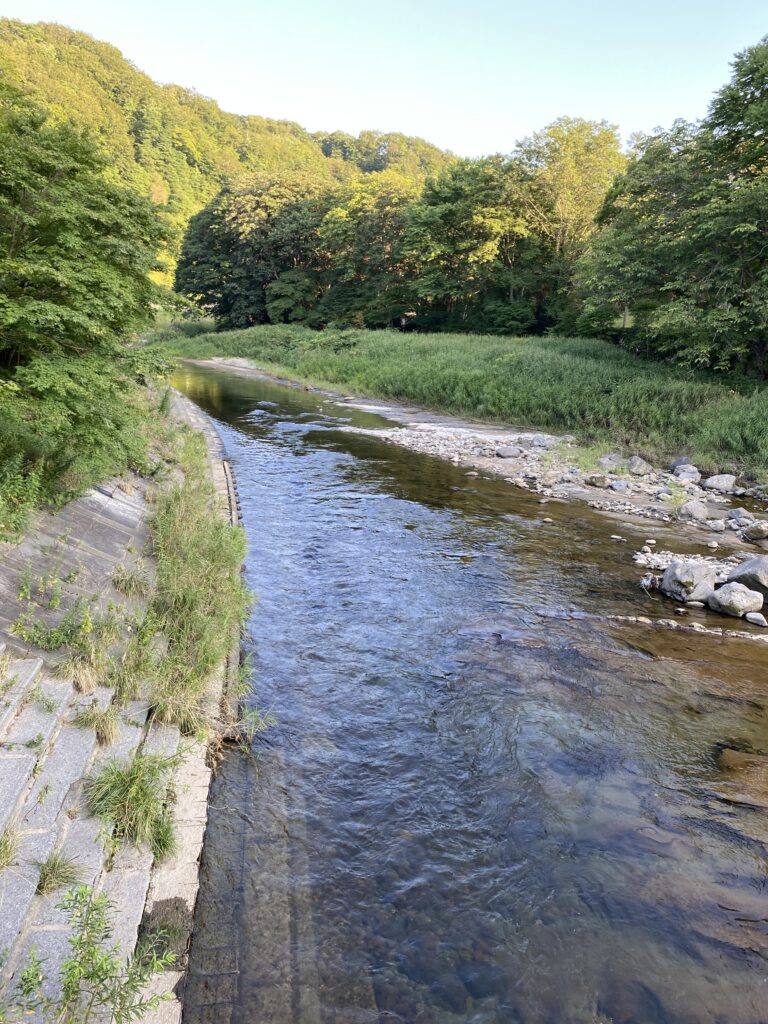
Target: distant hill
pixel 171 143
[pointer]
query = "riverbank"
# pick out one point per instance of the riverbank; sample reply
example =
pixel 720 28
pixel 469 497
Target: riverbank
pixel 596 391
pixel 686 516
pixel 112 675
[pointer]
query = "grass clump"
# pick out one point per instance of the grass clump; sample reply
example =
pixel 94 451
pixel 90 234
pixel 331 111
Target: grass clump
pixel 131 799
pixel 56 872
pixel 593 389
pixel 132 583
pixel 200 599
pixel 103 721
pixel 9 845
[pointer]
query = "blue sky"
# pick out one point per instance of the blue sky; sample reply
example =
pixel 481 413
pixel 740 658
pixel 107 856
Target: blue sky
pixel 472 77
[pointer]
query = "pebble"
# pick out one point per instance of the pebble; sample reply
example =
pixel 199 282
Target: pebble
pixel 546 519
pixel 713 544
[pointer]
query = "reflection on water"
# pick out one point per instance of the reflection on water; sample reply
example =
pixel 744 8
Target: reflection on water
pixel 481 804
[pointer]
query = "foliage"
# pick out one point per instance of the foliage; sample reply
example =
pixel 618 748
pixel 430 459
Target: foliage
pixel 103 721
pixel 131 799
pixel 488 244
pixel 589 387
pixel 172 145
pixel 94 979
pixel 682 251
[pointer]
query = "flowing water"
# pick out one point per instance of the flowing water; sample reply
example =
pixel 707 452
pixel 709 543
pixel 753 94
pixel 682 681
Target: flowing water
pixel 481 802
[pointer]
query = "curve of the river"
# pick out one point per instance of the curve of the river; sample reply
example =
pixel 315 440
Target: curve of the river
pixel 480 803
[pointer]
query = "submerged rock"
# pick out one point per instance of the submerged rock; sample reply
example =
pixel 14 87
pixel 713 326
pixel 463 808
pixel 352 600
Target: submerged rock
pixel 735 599
pixel 722 482
pixel 753 574
pixel 688 581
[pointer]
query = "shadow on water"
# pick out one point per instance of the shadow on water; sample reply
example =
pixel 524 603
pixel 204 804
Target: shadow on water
pixel 481 803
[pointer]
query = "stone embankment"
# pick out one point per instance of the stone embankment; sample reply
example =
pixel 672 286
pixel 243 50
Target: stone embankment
pixel 68 560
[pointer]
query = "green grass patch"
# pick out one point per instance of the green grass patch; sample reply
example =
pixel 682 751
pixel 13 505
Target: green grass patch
pixel 131 799
pixel 56 872
pixel 593 389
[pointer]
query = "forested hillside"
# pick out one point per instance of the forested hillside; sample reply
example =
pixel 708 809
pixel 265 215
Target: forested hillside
pixel 177 147
pixel 662 249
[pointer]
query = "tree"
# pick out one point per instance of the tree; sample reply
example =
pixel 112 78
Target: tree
pixel 682 245
pixel 75 248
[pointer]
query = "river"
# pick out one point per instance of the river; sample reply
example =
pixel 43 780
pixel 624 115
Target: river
pixel 481 802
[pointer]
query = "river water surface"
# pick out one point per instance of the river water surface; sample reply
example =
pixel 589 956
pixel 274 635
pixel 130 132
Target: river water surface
pixel 481 802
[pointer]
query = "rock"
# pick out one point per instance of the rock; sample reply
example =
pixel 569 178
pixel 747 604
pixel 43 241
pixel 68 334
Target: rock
pixel 682 461
pixel 723 482
pixel 757 530
pixel 693 511
pixel 688 474
pixel 735 599
pixel 612 461
pixel 620 485
pixel 756 618
pixel 546 519
pixel 741 513
pixel 550 478
pixel 753 574
pixel 695 604
pixel 688 581
pixel 638 466
pixel 597 480
pixel 713 544
pixel 716 525
pixel 540 441
pixel 509 451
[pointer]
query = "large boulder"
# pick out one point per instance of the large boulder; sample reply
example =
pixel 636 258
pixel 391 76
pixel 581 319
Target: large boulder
pixel 693 512
pixel 597 480
pixel 688 581
pixel 509 451
pixel 638 466
pixel 687 474
pixel 612 461
pixel 723 482
pixel 757 531
pixel 735 599
pixel 753 574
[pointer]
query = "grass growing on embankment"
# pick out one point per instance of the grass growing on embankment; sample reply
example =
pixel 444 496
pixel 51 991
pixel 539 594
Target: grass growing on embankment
pixel 593 389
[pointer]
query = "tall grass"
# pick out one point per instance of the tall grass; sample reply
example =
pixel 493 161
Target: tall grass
pixel 591 388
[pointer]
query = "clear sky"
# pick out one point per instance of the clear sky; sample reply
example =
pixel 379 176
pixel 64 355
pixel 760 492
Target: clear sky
pixel 472 77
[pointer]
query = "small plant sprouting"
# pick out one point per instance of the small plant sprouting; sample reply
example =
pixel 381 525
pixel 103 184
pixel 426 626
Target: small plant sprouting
pixel 45 792
pixel 9 844
pixel 36 742
pixel 41 700
pixel 56 872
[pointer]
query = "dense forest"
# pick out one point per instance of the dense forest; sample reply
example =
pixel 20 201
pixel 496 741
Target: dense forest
pixel 171 144
pixel 662 249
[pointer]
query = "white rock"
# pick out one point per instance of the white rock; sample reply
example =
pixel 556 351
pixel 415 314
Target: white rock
pixel 735 599
pixel 723 482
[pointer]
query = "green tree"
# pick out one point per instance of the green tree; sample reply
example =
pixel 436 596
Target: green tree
pixel 75 248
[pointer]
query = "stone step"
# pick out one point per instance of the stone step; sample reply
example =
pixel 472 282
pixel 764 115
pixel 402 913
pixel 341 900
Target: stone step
pixel 19 677
pixel 41 714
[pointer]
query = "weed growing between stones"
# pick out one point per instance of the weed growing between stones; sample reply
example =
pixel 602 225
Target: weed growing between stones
pixel 103 721
pixel 131 799
pixel 9 844
pixel 56 872
pixel 94 980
